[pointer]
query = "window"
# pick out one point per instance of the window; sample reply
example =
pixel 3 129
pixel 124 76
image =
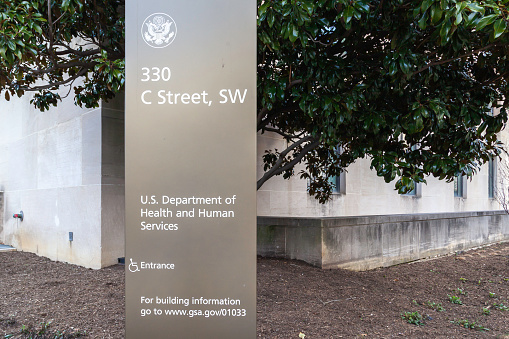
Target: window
pixel 416 192
pixel 491 178
pixel 492 170
pixel 338 182
pixel 460 186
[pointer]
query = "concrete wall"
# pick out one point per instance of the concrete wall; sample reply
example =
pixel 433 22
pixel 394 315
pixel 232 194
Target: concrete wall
pixel 113 179
pixel 366 242
pixel 369 224
pixel 365 193
pixel 52 168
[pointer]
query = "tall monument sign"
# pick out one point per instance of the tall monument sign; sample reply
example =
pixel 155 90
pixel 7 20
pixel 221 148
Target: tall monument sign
pixel 190 169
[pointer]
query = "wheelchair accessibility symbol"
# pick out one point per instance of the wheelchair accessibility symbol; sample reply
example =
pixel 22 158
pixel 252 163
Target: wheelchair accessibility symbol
pixel 133 266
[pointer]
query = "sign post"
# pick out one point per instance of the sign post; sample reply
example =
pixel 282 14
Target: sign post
pixel 190 169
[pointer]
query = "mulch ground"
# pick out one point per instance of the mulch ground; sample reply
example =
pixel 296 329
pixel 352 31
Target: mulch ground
pixel 40 298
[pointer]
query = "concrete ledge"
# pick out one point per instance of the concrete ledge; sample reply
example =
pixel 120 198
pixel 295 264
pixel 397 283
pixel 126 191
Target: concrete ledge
pixel 366 242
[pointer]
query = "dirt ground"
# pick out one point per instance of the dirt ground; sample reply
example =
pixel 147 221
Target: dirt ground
pixel 44 299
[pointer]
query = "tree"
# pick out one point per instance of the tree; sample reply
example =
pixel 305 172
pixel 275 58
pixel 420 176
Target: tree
pixel 46 45
pixel 407 84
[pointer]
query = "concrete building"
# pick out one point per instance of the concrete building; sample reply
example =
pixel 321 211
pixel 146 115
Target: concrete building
pixel 64 169
pixel 367 224
pixel 362 192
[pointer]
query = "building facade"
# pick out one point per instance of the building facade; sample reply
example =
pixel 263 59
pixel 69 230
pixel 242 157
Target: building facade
pixel 367 224
pixel 64 168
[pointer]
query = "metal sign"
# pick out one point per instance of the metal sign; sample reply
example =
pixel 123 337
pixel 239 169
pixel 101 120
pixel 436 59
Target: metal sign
pixel 190 169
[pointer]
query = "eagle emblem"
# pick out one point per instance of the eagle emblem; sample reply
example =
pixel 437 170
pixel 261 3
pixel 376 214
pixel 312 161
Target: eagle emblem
pixel 159 30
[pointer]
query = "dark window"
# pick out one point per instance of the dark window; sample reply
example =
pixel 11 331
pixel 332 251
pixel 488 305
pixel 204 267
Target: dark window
pixel 491 178
pixel 458 185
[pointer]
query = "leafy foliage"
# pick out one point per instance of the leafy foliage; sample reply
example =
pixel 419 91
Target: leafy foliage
pixel 414 318
pixel 455 299
pixel 407 84
pixel 471 325
pixel 47 44
pixel 501 307
pixel 435 306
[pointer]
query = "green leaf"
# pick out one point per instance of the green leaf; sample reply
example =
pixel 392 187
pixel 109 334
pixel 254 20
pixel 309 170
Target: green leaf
pixel 348 13
pixel 393 68
pixel 485 21
pixel 294 34
pixel 436 14
pixel 499 28
pixel 422 21
pixel 444 31
pixel 476 8
pixel 362 7
pixel 11 45
pixel 65 4
pixel 20 57
pixel 271 19
pixel 419 124
pixel 37 28
pixel 422 111
pixel 404 65
pixel 308 6
pixel 287 10
pixel 425 5
pixel 459 19
pixel 263 8
pixel 460 6
pixel 470 19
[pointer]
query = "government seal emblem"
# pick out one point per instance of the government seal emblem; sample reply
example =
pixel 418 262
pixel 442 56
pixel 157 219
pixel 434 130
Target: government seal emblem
pixel 159 30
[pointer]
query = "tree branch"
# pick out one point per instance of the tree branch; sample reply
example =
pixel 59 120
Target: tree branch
pixel 294 83
pixel 87 65
pixel 436 63
pixel 501 76
pixel 50 32
pixel 276 169
pixel 82 72
pixel 281 133
pixel 85 53
pixel 262 123
pixel 260 116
